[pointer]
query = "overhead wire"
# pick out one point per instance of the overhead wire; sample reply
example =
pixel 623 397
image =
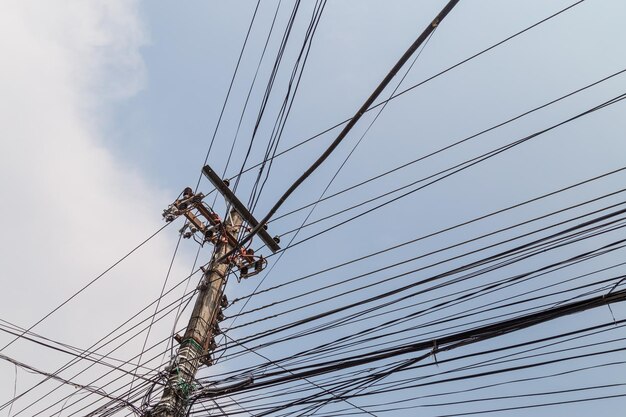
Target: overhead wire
pixel 84 287
pixel 256 73
pixel 230 86
pixel 453 170
pixel 370 100
pixel 448 69
pixel 266 178
pixel 287 104
pixel 576 334
pixel 448 247
pixel 455 143
pixel 417 55
pixel 426 280
pixel 438 232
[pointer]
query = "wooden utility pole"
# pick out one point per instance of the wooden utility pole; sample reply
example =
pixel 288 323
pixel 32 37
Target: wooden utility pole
pixel 195 346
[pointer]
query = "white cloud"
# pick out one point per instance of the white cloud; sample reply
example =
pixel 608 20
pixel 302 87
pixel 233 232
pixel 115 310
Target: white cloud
pixel 69 209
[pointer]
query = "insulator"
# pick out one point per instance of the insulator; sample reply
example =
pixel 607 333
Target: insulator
pixel 258 265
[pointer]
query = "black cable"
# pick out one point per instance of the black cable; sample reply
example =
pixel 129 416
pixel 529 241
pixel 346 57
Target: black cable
pixel 441 231
pixel 577 334
pixel 349 125
pixel 54 310
pixel 426 280
pixel 398 263
pixel 528 28
pixel 156 308
pixel 331 181
pixel 272 79
pixel 87 351
pixel 574 259
pixel 458 142
pixel 285 110
pixel 456 169
pixel 230 86
pixel 256 73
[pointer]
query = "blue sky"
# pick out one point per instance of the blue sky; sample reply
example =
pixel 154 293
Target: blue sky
pixel 108 112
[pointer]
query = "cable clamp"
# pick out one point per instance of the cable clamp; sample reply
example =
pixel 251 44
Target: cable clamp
pixel 434 351
pixel 614 287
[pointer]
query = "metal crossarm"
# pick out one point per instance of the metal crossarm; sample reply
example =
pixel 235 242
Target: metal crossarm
pixel 239 207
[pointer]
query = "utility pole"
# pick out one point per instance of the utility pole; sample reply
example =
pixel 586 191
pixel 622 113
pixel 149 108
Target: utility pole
pixel 195 345
pixel 198 343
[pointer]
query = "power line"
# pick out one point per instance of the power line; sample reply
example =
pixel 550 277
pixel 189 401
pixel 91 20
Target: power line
pixel 351 123
pixel 86 286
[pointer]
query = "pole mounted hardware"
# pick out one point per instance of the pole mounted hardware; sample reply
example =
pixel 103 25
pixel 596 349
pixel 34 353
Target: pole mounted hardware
pixel 204 225
pixel 271 243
